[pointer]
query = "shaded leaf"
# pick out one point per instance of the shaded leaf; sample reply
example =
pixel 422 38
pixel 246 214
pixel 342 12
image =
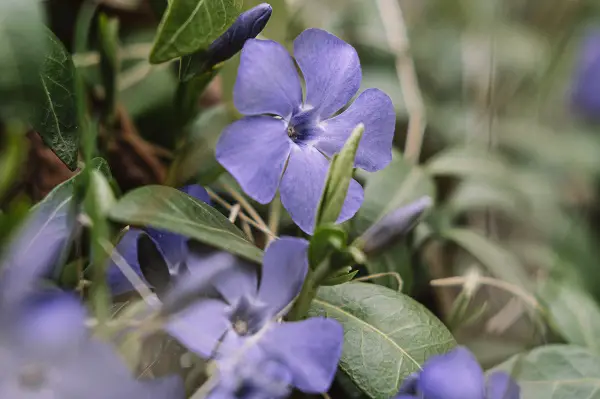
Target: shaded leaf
pixel 396 185
pixel 192 25
pixel 22 49
pixel 338 179
pixel 555 372
pixel 326 240
pixel 387 335
pixel 573 313
pixel 172 210
pixel 396 259
pixel 55 114
pixel 499 261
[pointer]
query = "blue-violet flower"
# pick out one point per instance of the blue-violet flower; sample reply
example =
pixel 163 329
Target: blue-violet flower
pixel 457 375
pixel 283 142
pixel 244 323
pixel 586 87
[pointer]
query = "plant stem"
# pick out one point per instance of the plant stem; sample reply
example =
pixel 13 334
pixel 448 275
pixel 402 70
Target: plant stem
pixel 274 216
pixel 309 291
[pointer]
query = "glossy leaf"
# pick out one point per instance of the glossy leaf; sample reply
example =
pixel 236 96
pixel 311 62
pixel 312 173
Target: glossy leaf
pixel 55 113
pixel 338 179
pixel 192 25
pixel 573 314
pixel 555 372
pixel 396 185
pixel 22 48
pixel 387 335
pixel 499 261
pixel 172 210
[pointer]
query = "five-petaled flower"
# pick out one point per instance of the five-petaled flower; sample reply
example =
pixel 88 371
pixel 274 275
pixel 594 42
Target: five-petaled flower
pixel 243 325
pixel 457 375
pixel 284 141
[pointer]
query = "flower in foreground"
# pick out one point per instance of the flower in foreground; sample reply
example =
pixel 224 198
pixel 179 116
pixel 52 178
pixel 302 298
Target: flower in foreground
pixel 171 247
pixel 46 352
pixel 457 375
pixel 586 88
pixel 283 142
pixel 243 327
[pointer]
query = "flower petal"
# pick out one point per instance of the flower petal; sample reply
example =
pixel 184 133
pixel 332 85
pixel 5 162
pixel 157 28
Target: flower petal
pixel 50 324
pixel 331 69
pixel 127 248
pixel 200 326
pixel 285 265
pixel 254 151
pixel 501 386
pixel 310 349
pixel 302 186
pixel 267 81
pixel 33 252
pixel 454 375
pixel 375 110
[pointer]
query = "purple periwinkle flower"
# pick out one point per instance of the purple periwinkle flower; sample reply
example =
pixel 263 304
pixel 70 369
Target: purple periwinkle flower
pixel 586 86
pixel 457 375
pixel 47 352
pixel 243 326
pixel 172 248
pixel 284 142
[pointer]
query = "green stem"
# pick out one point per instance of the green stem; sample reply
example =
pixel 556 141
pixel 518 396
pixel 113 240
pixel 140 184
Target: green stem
pixel 309 291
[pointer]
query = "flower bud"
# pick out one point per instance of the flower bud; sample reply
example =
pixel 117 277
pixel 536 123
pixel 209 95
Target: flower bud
pixel 585 96
pixel 393 225
pixel 247 26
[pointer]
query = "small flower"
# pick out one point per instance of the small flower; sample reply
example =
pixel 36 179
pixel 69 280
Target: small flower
pixel 242 325
pixel 586 87
pixel 46 352
pixel 457 375
pixel 172 248
pixel 284 142
pixel 393 225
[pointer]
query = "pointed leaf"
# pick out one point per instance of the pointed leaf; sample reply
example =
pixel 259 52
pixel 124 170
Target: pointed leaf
pixel 499 261
pixel 55 115
pixel 172 210
pixel 555 372
pixel 398 184
pixel 192 25
pixel 22 48
pixel 573 314
pixel 338 179
pixel 387 335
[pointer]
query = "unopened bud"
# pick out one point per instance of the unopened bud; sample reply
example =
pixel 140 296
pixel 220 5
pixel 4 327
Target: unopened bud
pixel 393 225
pixel 247 26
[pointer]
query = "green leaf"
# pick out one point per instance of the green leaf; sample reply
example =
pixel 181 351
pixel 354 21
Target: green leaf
pixel 468 162
pixel 192 25
pixel 345 276
pixel 338 179
pixel 172 210
pixel 499 261
pixel 555 372
pixel 396 185
pixel 396 259
pixel 573 314
pixel 22 49
pixel 387 335
pixel 55 113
